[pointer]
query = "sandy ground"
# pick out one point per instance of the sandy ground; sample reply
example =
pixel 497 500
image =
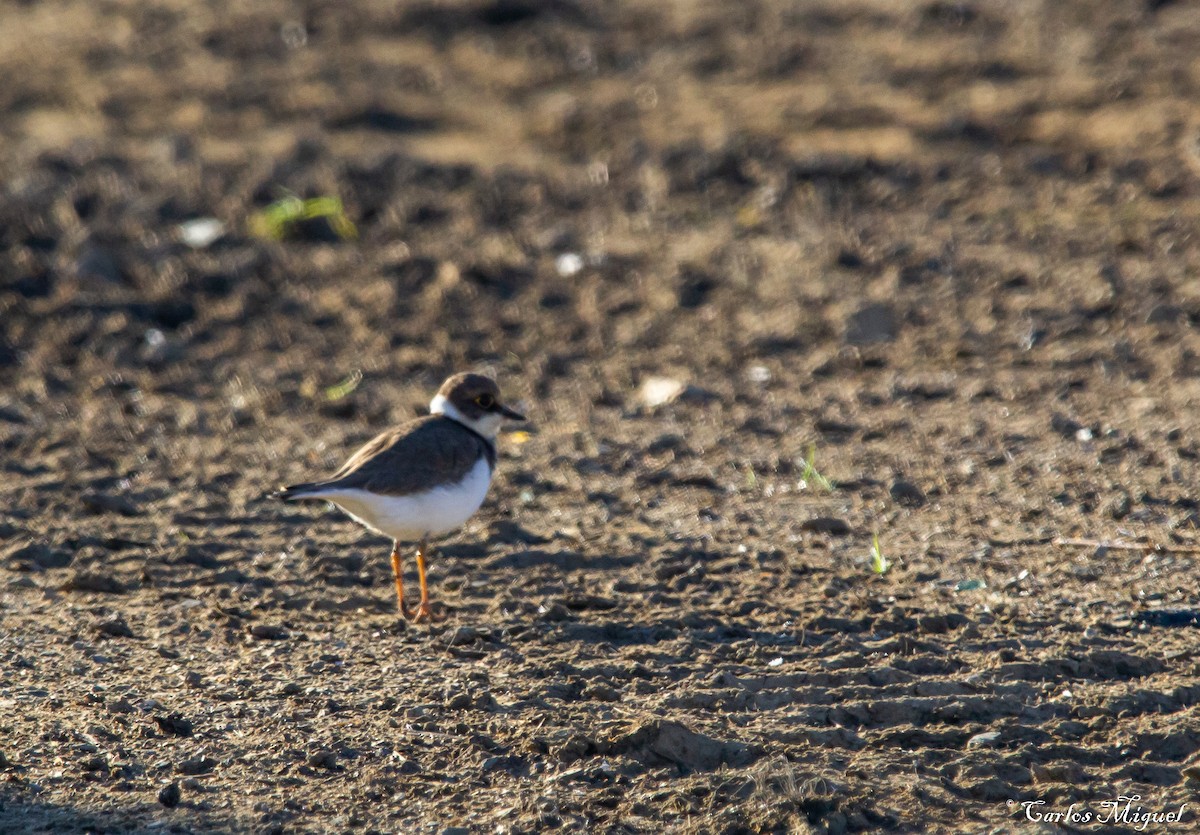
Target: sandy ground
pixel 946 250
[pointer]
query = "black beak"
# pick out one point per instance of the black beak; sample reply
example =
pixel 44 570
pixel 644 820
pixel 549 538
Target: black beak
pixel 507 412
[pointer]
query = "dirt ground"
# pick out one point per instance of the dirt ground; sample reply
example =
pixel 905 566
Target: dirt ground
pixel 947 249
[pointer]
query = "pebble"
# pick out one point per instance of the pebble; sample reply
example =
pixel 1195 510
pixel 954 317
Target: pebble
pixel 170 795
pixel 201 232
pixel 174 725
pixel 323 758
pixel 115 627
pixel 97 264
pixel 906 493
pixel 108 503
pixel 872 324
pixel 658 391
pixel 983 740
pixel 197 765
pixel 826 524
pixel 568 264
pixel 268 632
pixel 463 635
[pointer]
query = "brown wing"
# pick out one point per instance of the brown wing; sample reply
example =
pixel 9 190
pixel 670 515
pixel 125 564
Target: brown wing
pixel 413 457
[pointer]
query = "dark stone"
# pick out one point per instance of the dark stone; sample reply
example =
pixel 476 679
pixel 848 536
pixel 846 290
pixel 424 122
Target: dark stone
pixel 107 503
pixel 849 259
pixel 872 324
pixel 174 725
pixel 826 524
pixel 907 493
pixel 197 765
pixel 114 627
pixel 170 795
pixel 268 632
pixel 96 263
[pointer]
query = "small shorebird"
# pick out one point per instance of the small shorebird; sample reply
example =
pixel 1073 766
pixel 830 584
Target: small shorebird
pixel 423 478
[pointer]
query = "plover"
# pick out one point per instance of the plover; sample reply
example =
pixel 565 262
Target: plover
pixel 424 478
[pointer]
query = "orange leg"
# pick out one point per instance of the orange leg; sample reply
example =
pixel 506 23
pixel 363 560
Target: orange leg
pixel 399 574
pixel 424 608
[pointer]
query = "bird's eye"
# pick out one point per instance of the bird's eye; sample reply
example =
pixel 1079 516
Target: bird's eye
pixel 485 401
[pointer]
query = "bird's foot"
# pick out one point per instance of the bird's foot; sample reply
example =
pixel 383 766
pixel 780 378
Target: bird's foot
pixel 425 612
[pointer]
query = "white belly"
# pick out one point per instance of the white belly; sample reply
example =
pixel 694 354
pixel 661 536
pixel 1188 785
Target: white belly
pixel 419 515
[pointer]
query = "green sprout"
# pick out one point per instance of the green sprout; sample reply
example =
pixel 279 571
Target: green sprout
pixel 276 221
pixel 345 387
pixel 751 477
pixel 879 563
pixel 811 475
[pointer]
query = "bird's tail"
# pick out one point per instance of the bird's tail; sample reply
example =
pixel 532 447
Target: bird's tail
pixel 298 492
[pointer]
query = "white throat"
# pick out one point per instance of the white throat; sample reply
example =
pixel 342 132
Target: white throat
pixel 487 426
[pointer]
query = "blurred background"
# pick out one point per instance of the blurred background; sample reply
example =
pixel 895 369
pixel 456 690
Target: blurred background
pixel 833 319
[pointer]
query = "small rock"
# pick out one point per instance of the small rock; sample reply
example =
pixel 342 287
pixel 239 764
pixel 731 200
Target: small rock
pixel 459 701
pixel 1071 729
pixel 193 679
pixel 984 740
pixel 97 581
pixel 554 611
pixel 906 493
pixel 584 602
pixel 1065 426
pixel 115 627
pixel 107 503
pixel 463 635
pixel 568 264
pixel 174 725
pixel 826 524
pixel 197 765
pixel 96 263
pixel 96 763
pixel 201 232
pixel 849 259
pixel 456 830
pixel 323 758
pixel 268 632
pixel 758 374
pixel 871 324
pixel 658 391
pixel 170 795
